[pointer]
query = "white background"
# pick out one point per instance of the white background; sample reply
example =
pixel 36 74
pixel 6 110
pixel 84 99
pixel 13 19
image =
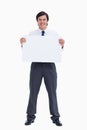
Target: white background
pixel 67 17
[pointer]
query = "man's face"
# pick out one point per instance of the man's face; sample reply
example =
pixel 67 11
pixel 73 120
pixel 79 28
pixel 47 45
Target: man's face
pixel 42 22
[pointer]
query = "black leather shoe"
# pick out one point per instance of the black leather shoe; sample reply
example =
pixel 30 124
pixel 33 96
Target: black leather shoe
pixel 56 120
pixel 29 121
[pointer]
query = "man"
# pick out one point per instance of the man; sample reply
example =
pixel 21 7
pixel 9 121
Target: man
pixel 41 70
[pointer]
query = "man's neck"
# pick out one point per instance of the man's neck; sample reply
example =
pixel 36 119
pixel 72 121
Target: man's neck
pixel 43 28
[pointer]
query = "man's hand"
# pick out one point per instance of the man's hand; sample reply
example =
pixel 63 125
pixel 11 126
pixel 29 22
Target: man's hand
pixel 22 40
pixel 61 41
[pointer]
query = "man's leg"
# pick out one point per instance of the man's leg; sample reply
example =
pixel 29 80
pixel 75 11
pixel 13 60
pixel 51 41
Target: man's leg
pixel 50 79
pixel 35 82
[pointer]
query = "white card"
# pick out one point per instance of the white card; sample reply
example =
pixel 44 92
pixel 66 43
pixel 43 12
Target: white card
pixel 41 49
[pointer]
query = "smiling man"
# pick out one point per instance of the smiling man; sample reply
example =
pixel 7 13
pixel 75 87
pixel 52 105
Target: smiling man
pixel 46 70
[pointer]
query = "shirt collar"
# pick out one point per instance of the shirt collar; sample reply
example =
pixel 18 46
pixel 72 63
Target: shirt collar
pixel 46 30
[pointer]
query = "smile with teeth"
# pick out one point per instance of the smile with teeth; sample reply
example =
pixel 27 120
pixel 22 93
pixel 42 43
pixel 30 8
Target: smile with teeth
pixel 42 24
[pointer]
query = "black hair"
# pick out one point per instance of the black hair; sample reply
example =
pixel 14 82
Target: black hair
pixel 41 14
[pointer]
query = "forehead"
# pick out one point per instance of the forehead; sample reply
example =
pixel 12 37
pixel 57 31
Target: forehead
pixel 42 17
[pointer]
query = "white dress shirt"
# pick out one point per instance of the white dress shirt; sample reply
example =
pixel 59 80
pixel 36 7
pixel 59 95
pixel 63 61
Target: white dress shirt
pixel 47 32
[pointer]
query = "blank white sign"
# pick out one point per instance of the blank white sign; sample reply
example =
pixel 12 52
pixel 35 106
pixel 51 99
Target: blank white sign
pixel 41 49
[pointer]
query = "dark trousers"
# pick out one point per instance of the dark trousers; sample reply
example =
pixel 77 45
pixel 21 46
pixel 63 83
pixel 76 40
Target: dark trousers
pixel 48 72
